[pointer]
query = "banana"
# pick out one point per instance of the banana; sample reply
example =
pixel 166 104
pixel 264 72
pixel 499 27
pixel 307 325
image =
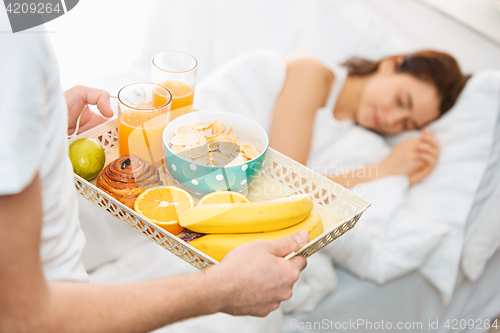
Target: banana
pixel 229 218
pixel 218 245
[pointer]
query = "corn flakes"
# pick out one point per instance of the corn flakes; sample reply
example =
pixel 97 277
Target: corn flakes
pixel 209 144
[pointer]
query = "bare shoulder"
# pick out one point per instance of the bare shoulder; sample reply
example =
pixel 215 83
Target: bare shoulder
pixel 305 62
pixel 309 73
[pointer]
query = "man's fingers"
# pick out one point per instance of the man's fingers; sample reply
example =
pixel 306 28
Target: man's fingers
pixel 287 245
pixel 300 262
pixel 94 120
pixel 97 97
pixel 104 107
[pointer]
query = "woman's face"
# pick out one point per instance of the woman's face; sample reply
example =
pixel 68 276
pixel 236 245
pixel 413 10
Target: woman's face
pixel 393 102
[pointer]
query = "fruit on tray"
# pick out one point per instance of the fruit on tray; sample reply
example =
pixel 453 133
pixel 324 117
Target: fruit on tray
pixel 162 205
pixel 247 217
pixel 127 177
pixel 87 157
pixel 218 245
pixel 219 197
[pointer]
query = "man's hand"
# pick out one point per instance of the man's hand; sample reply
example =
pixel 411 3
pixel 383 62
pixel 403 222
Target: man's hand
pixel 77 98
pixel 256 279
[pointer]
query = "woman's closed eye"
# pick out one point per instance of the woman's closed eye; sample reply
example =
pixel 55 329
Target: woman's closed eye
pixel 399 101
pixel 408 123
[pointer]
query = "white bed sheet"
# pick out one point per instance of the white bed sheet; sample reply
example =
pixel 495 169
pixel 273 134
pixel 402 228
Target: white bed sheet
pixel 407 299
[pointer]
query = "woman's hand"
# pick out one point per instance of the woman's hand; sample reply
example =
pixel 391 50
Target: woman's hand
pixel 415 157
pixel 403 160
pixel 428 152
pixel 77 98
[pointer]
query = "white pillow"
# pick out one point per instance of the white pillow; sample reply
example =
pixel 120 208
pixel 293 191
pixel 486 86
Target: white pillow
pixel 446 197
pixel 483 225
pixel 484 240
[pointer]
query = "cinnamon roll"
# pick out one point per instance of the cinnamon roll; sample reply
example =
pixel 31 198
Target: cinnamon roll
pixel 127 177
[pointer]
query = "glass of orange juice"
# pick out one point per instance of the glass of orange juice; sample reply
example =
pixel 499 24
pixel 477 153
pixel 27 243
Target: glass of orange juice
pixel 177 72
pixel 143 113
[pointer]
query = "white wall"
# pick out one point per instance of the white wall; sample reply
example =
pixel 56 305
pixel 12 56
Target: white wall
pixel 101 39
pixel 98 38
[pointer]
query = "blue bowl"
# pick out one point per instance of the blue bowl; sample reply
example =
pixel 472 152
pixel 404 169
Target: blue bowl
pixel 201 179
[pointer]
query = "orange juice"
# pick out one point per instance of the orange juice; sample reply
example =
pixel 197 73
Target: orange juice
pixel 182 97
pixel 140 133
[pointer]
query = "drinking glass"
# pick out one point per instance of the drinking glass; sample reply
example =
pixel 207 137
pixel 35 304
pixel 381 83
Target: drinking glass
pixel 177 72
pixel 143 113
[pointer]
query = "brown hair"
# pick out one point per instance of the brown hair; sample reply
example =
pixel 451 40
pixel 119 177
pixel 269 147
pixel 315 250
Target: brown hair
pixel 438 68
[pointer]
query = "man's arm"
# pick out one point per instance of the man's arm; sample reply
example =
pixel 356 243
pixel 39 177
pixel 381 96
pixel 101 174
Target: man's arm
pixel 251 280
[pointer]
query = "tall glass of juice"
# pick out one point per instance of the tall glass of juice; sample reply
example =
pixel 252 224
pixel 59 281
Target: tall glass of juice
pixel 143 113
pixel 177 72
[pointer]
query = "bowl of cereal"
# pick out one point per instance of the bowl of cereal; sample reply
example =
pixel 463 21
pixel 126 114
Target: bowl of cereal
pixel 207 151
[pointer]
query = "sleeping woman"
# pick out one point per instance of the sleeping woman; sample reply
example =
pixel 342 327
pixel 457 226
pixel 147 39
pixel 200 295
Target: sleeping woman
pixel 399 93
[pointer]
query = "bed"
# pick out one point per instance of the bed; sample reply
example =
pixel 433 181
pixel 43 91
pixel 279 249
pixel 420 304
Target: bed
pixel 454 273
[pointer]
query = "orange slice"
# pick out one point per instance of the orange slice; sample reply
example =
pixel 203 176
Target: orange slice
pixel 219 197
pixel 162 205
